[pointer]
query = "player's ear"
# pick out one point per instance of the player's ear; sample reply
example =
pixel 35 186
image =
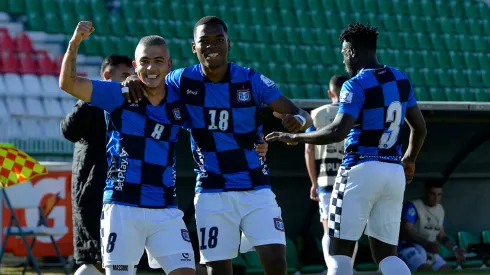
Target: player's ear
pixel 194 48
pixel 134 64
pixel 106 75
pixel 229 44
pixel 330 94
pixel 170 62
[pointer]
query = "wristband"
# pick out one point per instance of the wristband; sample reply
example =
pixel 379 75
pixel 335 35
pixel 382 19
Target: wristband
pixel 124 90
pixel 301 119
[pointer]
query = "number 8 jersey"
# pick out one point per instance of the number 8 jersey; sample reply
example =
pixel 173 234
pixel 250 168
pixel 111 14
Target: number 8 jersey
pixel 225 125
pixel 378 99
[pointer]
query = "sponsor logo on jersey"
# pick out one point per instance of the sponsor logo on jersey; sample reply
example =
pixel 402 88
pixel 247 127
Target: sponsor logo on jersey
pixel 267 81
pixel 346 97
pixel 117 170
pixel 185 257
pixel 176 113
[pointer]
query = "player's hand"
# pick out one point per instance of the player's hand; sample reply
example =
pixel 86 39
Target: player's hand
pixel 136 89
pixel 314 193
pixel 290 122
pixel 459 253
pixel 280 136
pixel 82 32
pixel 409 168
pixel 262 148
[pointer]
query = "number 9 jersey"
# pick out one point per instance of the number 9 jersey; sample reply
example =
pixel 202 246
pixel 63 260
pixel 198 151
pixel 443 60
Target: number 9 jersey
pixel 378 99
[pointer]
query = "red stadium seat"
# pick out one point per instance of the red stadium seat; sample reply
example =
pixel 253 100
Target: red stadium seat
pixel 57 63
pixel 6 42
pixel 23 43
pixel 44 63
pixel 27 63
pixel 9 63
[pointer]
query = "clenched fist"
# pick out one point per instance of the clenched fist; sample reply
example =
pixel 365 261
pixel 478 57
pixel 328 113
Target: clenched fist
pixel 82 32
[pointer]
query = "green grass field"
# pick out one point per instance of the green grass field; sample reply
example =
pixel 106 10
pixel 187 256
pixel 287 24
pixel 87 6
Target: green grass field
pixel 53 271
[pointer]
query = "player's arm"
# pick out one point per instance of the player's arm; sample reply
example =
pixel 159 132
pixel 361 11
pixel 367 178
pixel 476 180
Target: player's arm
pixel 69 82
pixel 418 130
pixel 77 122
pixel 293 118
pixel 350 104
pixel 409 217
pixel 310 159
pixel 445 240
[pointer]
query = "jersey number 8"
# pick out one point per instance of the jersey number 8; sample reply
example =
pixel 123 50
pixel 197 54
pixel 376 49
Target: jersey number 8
pixel 394 118
pixel 222 120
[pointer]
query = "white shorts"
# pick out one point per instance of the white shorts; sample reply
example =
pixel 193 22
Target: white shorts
pixel 369 193
pixel 126 231
pixel 221 216
pixel 323 203
pixel 415 256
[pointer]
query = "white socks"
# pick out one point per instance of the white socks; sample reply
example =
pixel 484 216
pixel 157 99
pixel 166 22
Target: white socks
pixel 87 269
pixel 339 265
pixel 326 244
pixel 393 266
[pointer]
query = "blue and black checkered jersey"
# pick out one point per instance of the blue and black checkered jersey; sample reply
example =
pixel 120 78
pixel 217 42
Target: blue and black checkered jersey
pixel 378 99
pixel 140 147
pixel 225 125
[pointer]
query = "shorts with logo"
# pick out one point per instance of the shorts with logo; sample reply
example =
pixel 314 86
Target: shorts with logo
pixel 415 256
pixel 126 231
pixel 324 195
pixel 368 195
pixel 221 216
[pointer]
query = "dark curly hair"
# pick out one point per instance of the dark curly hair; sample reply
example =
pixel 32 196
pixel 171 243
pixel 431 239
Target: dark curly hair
pixel 360 36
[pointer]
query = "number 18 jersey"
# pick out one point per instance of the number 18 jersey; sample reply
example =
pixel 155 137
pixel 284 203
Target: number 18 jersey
pixel 378 99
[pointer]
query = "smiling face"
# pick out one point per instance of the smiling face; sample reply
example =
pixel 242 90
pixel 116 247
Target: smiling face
pixel 211 45
pixel 152 64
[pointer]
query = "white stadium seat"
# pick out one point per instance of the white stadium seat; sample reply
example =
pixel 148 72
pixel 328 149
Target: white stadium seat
pixel 15 106
pixel 32 84
pixel 14 84
pixel 3 86
pixel 68 104
pixel 53 107
pixel 50 86
pixel 34 106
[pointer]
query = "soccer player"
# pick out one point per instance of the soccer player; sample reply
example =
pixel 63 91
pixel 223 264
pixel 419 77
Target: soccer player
pixel 233 188
pixel 323 161
pixel 140 209
pixel 85 126
pixel 370 182
pixel 423 229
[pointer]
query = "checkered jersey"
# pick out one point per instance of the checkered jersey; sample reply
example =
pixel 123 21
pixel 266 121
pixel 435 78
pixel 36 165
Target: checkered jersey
pixel 378 99
pixel 140 147
pixel 225 124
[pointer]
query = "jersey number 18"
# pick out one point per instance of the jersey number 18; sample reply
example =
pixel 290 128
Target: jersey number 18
pixel 394 118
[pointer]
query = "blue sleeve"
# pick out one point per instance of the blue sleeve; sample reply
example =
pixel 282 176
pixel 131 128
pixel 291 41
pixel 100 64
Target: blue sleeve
pixel 351 99
pixel 172 81
pixel 264 89
pixel 409 212
pixel 411 98
pixel 106 95
pixel 311 129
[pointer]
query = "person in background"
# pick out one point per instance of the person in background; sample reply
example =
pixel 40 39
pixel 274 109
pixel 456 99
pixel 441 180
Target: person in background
pixel 85 126
pixel 422 231
pixel 323 161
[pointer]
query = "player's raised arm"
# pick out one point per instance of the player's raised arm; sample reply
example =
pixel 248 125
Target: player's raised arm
pixel 293 118
pixel 350 104
pixel 78 87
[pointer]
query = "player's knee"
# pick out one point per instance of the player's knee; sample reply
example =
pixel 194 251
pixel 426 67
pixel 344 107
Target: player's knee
pixel 177 264
pixel 119 269
pixel 273 258
pixel 219 267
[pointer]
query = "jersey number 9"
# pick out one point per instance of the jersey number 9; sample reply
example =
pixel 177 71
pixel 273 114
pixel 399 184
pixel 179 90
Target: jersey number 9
pixel 394 118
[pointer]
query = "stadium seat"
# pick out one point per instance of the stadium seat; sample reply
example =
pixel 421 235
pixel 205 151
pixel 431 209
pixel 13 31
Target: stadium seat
pixel 465 239
pixel 32 85
pixel 15 105
pixel 448 255
pixel 50 86
pixel 3 86
pixel 27 63
pixel 23 43
pixel 53 107
pixel 6 42
pixel 14 84
pixel 34 106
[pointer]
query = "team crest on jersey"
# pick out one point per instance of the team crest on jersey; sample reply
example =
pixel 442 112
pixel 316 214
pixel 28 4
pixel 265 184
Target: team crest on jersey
pixel 279 224
pixel 185 235
pixel 243 95
pixel 267 81
pixel 177 115
pixel 346 97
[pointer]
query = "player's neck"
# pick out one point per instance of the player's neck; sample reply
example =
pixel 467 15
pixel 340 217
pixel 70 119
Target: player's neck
pixel 156 95
pixel 215 74
pixel 372 63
